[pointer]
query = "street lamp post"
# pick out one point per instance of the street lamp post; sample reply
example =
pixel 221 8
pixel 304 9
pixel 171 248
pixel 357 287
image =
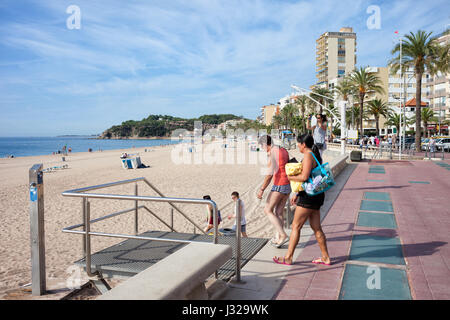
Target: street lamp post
pixel 400 127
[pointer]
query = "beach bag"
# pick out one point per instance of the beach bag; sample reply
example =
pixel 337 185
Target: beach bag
pixel 320 180
pixel 293 169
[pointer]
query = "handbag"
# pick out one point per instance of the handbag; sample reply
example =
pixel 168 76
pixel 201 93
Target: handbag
pixel 320 180
pixel 319 145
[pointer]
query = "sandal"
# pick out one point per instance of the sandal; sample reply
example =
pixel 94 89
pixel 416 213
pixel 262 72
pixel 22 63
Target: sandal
pixel 277 261
pixel 279 245
pixel 320 261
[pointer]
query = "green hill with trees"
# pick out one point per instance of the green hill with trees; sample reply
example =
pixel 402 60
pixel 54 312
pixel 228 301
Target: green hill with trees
pixel 162 126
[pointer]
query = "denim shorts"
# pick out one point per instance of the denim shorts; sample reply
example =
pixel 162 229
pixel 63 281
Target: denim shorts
pixel 284 189
pixel 243 228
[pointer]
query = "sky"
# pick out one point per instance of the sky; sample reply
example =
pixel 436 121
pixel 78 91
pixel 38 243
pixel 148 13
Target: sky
pixel 133 58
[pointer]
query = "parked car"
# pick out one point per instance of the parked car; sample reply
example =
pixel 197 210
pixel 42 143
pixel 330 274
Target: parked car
pixel 425 143
pixel 443 143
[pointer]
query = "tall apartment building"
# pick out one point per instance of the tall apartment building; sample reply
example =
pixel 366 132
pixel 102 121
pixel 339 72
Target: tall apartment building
pixel 335 55
pixel 438 89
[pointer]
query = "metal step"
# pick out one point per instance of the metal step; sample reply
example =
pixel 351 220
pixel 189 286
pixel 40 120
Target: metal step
pixel 131 256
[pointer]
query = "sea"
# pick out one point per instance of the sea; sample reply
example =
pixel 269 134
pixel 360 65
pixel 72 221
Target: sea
pixel 35 146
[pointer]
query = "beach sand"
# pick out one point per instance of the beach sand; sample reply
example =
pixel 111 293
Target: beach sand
pixel 87 169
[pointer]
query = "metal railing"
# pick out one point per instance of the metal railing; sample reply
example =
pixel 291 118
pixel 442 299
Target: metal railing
pixel 87 220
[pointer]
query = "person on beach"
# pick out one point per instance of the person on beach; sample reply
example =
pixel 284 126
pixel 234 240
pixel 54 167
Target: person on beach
pixel 319 132
pixel 235 197
pixel 209 216
pixel 308 207
pixel 277 159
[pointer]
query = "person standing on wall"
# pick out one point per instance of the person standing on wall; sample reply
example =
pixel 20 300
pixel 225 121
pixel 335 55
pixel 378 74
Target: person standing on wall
pixel 319 130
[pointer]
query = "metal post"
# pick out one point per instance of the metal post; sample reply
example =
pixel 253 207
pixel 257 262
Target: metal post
pixel 288 214
pixel 216 230
pixel 83 241
pixel 237 209
pixel 400 124
pixel 136 225
pixel 87 224
pixel 37 230
pixel 171 219
pixel 343 105
pixel 390 152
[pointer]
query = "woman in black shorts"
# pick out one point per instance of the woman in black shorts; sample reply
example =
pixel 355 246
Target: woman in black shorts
pixel 308 207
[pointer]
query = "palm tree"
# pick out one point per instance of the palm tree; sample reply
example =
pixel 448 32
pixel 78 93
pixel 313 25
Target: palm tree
pixel 394 121
pixel 427 116
pixel 344 89
pixel 302 103
pixel 353 114
pixel 288 113
pixel 420 52
pixel 378 108
pixel 363 83
pixel 277 120
pixel 318 94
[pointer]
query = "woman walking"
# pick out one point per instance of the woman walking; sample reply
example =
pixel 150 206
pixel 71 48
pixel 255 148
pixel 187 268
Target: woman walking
pixel 308 207
pixel 280 191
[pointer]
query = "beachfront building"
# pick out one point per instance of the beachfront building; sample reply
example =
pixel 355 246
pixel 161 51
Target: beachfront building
pixel 438 93
pixel 287 100
pixel 335 55
pixel 267 113
pixel 406 86
pixel 229 123
pixel 395 87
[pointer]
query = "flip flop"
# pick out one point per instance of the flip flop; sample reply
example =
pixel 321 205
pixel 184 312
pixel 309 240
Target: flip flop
pixel 282 243
pixel 278 262
pixel 321 262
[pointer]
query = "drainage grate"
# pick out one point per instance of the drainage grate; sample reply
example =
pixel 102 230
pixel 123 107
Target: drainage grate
pixel 132 256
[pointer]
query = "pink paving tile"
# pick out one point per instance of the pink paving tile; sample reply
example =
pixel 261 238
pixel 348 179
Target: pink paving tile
pixel 442 280
pixel 291 294
pixel 441 296
pixel 321 294
pixel 422 295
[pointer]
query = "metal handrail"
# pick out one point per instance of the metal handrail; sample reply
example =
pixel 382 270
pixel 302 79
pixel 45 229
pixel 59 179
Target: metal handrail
pixel 87 221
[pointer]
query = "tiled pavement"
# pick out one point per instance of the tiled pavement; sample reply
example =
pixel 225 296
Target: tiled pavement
pixel 422 216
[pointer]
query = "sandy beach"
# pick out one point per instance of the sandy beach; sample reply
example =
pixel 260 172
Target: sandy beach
pixel 87 169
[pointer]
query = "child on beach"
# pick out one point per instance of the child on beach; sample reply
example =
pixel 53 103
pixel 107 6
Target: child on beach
pixel 209 217
pixel 235 197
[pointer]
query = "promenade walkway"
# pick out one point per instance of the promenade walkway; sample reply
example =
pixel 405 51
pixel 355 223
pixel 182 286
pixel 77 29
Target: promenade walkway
pixel 388 236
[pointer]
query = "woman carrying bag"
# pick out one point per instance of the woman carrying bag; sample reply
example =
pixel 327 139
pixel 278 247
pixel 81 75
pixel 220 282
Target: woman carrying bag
pixel 308 206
